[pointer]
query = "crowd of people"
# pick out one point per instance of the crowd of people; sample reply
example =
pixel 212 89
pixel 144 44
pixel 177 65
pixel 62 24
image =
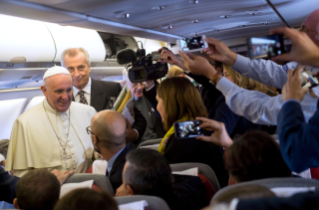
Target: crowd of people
pixel 239 108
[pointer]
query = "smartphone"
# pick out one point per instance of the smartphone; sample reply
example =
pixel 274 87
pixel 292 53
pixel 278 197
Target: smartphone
pixel 188 129
pixel 265 47
pixel 308 80
pixel 194 44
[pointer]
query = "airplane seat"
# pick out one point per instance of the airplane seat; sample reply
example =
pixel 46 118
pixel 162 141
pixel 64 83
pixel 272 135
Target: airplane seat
pixel 101 181
pixel 154 203
pixel 281 187
pixel 202 169
pixel 150 144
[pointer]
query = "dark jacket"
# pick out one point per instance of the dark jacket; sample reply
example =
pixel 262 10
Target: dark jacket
pixel 104 94
pixel 193 150
pixel 218 110
pixel 309 201
pixel 117 169
pixel 299 141
pixel 151 97
pixel 7 186
pixel 188 193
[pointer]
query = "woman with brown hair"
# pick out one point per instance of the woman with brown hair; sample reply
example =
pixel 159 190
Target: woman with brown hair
pixel 179 100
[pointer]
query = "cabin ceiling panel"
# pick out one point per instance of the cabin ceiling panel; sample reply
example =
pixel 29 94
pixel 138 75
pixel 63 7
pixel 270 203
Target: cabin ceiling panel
pixel 185 17
pixel 167 20
pixel 295 11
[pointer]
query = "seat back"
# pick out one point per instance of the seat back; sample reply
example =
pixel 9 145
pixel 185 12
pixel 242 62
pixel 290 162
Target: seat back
pixel 202 168
pixel 151 144
pixel 289 182
pixel 100 180
pixel 154 203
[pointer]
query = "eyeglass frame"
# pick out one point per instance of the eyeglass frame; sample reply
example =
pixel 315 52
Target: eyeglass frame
pixel 88 130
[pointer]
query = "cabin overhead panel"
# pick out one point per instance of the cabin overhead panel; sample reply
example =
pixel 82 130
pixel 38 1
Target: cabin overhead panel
pixel 167 20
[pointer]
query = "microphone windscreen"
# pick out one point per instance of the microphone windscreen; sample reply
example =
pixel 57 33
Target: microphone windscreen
pixel 126 56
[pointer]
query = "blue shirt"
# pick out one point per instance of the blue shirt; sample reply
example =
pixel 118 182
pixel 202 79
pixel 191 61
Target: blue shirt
pixel 257 106
pixel 112 160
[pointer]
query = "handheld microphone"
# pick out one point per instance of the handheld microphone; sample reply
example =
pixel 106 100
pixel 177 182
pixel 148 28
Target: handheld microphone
pixel 126 56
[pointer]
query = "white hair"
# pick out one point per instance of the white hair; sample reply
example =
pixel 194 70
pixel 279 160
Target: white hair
pixel 73 52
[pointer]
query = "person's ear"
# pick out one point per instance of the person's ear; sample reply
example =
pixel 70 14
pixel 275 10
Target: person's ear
pixel 15 203
pixel 44 90
pixel 129 190
pixel 95 140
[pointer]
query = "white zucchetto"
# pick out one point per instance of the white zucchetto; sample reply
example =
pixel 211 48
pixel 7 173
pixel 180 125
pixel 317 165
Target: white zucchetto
pixel 55 70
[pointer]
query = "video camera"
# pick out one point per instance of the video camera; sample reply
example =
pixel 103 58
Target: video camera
pixel 143 67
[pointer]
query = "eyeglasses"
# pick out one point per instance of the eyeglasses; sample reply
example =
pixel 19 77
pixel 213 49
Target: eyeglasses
pixel 141 84
pixel 88 130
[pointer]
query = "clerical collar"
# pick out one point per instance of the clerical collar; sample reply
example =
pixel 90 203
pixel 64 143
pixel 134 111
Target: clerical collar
pixel 50 109
pixel 86 89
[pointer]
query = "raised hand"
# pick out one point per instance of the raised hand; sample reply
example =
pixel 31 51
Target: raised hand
pixel 303 51
pixel 292 89
pixel 220 136
pixel 198 65
pixel 217 50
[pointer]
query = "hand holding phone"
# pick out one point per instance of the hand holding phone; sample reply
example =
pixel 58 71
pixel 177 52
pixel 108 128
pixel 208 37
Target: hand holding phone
pixel 188 129
pixel 192 44
pixel 265 47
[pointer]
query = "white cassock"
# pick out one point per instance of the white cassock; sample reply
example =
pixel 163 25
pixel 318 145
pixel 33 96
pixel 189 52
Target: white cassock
pixel 43 138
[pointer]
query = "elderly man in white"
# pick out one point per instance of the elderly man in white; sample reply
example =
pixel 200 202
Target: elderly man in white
pixel 52 134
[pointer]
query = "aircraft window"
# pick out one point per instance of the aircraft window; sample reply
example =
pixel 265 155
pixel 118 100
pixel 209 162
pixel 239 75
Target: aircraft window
pixel 10 110
pixel 34 101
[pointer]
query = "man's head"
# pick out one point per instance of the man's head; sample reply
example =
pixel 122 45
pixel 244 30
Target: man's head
pixel 136 88
pixel 147 172
pixel 311 26
pixel 86 199
pixel 57 88
pixel 109 130
pixel 77 61
pixel 255 155
pixel 38 189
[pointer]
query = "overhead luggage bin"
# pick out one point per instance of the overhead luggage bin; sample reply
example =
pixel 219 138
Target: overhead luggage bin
pixel 24 40
pixel 69 37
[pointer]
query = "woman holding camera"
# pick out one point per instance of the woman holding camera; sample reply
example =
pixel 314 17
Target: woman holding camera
pixel 179 100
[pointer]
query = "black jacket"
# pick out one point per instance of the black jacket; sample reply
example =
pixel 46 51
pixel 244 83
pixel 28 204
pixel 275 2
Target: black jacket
pixel 7 186
pixel 218 110
pixel 188 193
pixel 309 201
pixel 117 169
pixel 193 150
pixel 104 94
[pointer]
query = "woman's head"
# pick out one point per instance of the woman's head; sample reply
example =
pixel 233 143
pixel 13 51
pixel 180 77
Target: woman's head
pixel 255 155
pixel 243 81
pixel 175 71
pixel 178 97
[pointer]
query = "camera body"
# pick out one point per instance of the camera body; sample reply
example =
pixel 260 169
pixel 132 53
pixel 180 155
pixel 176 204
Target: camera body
pixel 146 68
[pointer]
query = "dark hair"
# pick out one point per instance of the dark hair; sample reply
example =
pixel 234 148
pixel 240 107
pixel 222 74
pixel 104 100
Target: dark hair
pixel 243 192
pixel 83 199
pixel 255 155
pixel 180 98
pixel 38 189
pixel 148 173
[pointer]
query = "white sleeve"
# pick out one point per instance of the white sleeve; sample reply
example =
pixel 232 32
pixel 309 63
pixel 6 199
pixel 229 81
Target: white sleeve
pixel 253 105
pixel 264 71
